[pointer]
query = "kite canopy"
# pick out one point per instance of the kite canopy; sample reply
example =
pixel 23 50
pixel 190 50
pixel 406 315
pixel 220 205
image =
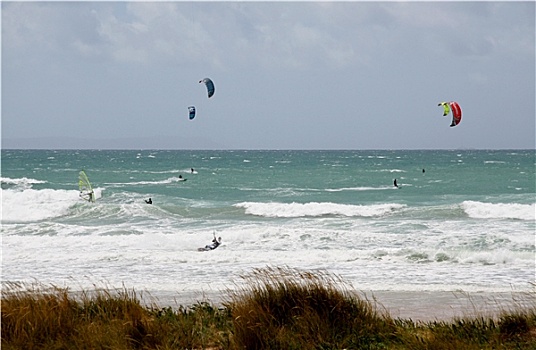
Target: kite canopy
pixel 446 108
pixel 210 86
pixel 456 111
pixel 191 112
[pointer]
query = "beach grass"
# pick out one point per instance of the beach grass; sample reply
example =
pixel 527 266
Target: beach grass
pixel 276 308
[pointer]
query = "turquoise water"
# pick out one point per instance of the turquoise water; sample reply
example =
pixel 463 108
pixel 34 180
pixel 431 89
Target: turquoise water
pixel 466 223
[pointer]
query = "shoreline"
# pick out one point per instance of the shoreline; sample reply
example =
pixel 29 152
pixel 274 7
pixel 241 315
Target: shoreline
pixel 426 306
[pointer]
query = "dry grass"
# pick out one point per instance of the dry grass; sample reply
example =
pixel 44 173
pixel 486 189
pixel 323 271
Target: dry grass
pixel 53 318
pixel 280 308
pixel 289 309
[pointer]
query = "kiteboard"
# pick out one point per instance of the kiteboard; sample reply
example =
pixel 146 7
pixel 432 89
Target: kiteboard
pixel 206 249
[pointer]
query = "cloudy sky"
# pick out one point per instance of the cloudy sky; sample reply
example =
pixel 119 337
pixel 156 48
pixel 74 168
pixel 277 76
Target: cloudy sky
pixel 288 75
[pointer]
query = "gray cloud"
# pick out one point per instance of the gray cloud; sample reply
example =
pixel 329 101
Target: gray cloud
pixel 288 75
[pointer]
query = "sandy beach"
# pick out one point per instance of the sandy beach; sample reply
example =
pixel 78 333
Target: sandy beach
pixel 418 306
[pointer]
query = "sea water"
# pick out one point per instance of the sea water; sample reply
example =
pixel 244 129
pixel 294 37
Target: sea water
pixel 460 220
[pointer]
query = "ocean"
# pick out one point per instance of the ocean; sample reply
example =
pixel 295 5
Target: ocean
pixel 460 220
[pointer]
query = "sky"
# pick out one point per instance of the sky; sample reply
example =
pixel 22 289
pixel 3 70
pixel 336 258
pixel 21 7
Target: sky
pixel 288 75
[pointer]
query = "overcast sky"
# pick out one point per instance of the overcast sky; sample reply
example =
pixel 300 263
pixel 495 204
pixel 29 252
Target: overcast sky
pixel 288 75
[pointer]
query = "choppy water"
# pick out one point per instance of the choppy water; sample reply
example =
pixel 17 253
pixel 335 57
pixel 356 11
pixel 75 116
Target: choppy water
pixel 466 223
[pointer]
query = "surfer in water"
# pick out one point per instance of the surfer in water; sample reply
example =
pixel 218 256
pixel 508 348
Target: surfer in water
pixel 394 183
pixel 149 201
pixel 215 243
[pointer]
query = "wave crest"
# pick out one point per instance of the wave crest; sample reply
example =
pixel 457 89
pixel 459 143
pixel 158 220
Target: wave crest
pixel 20 183
pixel 295 210
pixel 480 210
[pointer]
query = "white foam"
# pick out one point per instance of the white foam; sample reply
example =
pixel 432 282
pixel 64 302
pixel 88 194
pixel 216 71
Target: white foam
pixel 160 182
pixel 33 205
pixel 21 183
pixel 480 210
pixel 290 210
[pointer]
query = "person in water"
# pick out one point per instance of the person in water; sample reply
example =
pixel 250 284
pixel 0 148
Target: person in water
pixel 88 194
pixel 394 183
pixel 215 243
pixel 149 201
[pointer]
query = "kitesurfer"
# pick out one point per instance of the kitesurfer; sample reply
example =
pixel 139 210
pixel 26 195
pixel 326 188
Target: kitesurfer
pixel 394 183
pixel 215 243
pixel 149 201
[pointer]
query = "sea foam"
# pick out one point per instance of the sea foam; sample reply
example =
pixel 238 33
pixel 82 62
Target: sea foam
pixel 292 210
pixel 480 210
pixel 20 183
pixel 34 205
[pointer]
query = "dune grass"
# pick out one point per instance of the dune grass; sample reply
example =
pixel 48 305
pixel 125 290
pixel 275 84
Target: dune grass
pixel 279 308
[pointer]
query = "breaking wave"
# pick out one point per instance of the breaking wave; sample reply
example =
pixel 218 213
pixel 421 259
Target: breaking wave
pixel 480 210
pixel 315 209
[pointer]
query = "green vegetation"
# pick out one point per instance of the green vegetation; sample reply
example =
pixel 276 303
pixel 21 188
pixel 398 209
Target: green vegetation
pixel 279 308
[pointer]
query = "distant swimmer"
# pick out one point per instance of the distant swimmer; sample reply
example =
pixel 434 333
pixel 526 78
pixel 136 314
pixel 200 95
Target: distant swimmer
pixel 215 244
pixel 394 183
pixel 149 201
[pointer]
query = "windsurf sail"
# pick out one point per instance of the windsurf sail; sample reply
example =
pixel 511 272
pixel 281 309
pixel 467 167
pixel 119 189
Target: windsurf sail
pixel 210 86
pixel 86 191
pixel 191 112
pixel 456 111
